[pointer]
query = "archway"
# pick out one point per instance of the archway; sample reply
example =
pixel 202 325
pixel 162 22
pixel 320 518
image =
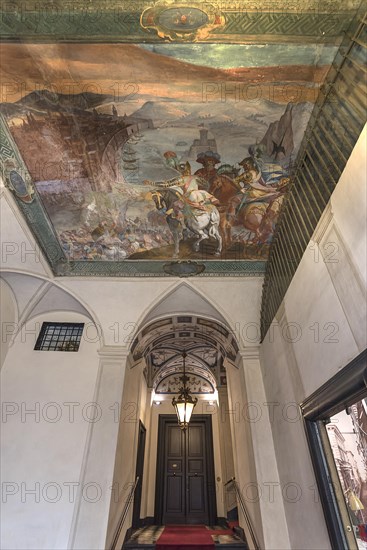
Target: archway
pixel 151 380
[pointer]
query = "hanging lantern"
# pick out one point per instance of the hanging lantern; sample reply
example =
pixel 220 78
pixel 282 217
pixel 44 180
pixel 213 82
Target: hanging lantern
pixel 184 404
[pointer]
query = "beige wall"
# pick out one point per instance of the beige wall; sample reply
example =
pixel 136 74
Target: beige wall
pixel 9 318
pixel 46 419
pixel 320 327
pixel 133 409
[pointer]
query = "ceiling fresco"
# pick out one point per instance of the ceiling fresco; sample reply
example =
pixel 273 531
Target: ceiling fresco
pixel 161 151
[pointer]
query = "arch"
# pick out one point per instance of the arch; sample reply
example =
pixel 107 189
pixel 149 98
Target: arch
pixel 183 319
pixel 40 301
pixel 190 300
pixel 154 312
pixel 9 317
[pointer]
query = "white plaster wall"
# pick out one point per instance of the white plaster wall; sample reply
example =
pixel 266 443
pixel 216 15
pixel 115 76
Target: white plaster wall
pixel 8 318
pixel 269 490
pixel 133 409
pixel 122 305
pixel 226 449
pixel 319 328
pixel 43 452
pixel 243 452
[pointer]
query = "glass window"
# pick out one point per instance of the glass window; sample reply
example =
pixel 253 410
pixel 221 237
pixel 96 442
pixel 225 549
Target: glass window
pixel 347 432
pixel 336 426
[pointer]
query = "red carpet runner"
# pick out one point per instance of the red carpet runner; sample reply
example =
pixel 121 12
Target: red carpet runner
pixel 185 537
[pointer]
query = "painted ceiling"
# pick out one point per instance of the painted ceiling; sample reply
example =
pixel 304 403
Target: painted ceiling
pixel 152 153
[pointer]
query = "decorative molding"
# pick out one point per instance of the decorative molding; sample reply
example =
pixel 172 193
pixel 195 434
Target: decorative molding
pixel 347 282
pixel 113 353
pixel 252 352
pixel 228 363
pixel 323 224
pixel 26 196
pixel 280 314
pixel 183 21
pixel 155 268
pixel 7 195
pixel 13 171
pixel 128 21
pixel 185 268
pixel 245 6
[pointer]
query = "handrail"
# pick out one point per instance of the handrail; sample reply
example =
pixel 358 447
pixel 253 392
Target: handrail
pixel 245 512
pixel 124 514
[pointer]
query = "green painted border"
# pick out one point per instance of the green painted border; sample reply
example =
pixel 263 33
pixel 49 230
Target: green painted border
pixel 112 21
pixel 146 268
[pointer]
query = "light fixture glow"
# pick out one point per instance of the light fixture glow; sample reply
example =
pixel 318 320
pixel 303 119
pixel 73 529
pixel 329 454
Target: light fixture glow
pixel 184 404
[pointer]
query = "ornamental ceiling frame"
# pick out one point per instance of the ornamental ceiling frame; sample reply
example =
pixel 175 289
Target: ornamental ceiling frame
pixel 140 22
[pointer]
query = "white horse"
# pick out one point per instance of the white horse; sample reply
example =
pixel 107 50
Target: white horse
pixel 203 223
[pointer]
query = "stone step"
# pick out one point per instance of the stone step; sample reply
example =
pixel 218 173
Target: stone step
pixel 145 538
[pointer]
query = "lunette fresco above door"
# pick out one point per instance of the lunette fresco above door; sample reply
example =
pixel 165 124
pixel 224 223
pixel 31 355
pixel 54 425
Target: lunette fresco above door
pixel 141 154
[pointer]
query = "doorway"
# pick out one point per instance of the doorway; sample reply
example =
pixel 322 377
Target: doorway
pixel 185 483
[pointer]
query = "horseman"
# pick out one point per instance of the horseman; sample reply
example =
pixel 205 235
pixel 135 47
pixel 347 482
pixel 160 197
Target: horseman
pixel 253 188
pixel 187 206
pixel 194 196
pixel 189 191
pixel 208 172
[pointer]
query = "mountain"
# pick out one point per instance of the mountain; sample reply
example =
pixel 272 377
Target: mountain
pixel 52 101
pixel 283 137
pixel 162 112
pixel 210 113
pixel 129 69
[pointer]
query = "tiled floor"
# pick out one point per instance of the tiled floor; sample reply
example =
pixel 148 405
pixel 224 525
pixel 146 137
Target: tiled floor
pixel 147 535
pixel 226 539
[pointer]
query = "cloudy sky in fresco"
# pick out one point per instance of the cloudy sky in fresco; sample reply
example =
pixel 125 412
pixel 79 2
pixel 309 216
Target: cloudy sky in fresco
pixel 229 56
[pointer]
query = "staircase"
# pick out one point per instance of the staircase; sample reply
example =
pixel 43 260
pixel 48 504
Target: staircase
pixel 224 536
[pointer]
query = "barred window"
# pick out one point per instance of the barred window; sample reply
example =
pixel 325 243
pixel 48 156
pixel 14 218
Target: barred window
pixel 59 337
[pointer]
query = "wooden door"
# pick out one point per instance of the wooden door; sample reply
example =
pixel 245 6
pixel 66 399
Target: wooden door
pixel 185 472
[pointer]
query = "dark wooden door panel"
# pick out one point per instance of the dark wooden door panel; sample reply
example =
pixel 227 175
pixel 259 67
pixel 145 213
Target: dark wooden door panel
pixel 174 441
pixel 196 441
pixel 174 499
pixel 196 495
pixel 174 475
pixel 185 468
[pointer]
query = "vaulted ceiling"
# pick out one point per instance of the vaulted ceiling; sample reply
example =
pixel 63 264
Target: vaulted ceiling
pixel 165 147
pixel 206 343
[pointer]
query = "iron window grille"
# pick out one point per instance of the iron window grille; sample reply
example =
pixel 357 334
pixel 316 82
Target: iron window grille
pixel 59 337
